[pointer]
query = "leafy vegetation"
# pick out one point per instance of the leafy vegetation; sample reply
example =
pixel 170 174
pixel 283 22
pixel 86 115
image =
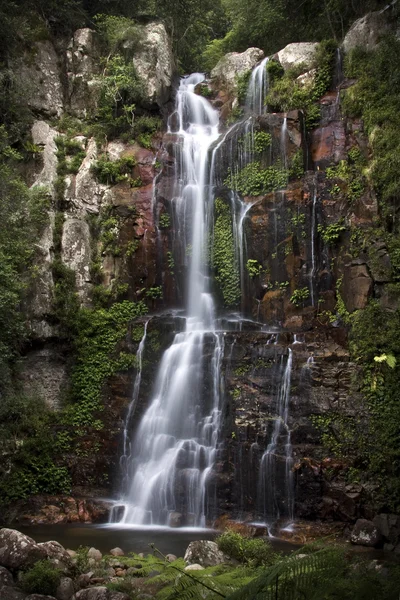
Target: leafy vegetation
pixel 110 172
pixel 42 578
pixel 299 296
pixel 254 180
pixel 224 260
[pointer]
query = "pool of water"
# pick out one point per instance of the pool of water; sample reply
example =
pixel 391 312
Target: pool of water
pixel 106 537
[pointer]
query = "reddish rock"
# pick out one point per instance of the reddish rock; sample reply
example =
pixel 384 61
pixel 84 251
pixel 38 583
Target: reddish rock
pixel 328 144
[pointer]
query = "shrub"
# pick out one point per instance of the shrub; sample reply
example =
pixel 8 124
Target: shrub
pixel 111 172
pixel 253 552
pixel 299 296
pixel 42 578
pixel 253 180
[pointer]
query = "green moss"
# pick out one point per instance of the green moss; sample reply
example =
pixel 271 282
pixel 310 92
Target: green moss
pixel 254 180
pixel 242 83
pixel 164 221
pixel 224 259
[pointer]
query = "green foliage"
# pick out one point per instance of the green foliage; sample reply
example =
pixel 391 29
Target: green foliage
pixel 223 255
pixel 98 332
pixel 42 578
pixel 118 32
pixel 350 173
pixel 242 83
pixel 375 98
pixel 254 552
pixel 275 70
pixel 296 168
pixel 331 233
pixel 164 221
pixel 254 180
pixel 70 155
pixel 110 172
pixel 154 293
pixel 286 93
pixel 253 267
pixel 299 296
pixel 257 141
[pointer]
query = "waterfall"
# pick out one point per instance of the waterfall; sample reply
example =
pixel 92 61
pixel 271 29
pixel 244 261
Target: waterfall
pixel 175 443
pixel 284 143
pixel 313 240
pixel 276 462
pixel 258 88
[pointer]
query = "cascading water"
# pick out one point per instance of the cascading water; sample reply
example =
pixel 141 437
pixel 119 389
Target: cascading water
pixel 175 444
pixel 258 88
pixel 276 462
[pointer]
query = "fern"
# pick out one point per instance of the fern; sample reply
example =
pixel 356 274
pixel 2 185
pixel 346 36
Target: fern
pixel 294 577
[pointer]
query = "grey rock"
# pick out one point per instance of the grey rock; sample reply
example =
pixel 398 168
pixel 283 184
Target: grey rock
pixel 171 557
pixel 93 593
pixel 224 74
pixel 6 577
pixel 131 571
pixel 44 136
pixel 154 62
pixel 58 556
pixel 117 552
pixel 18 551
pixel 365 533
pixel 175 519
pixel 366 32
pixel 302 53
pixel 94 553
pixel 389 527
pixel 44 371
pixel 38 76
pixel 205 553
pixel 65 589
pixel 11 593
pixel 83 67
pixel 194 568
pixel 84 579
pixel 119 596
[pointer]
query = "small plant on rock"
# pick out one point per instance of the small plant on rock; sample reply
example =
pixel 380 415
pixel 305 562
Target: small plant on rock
pixel 42 578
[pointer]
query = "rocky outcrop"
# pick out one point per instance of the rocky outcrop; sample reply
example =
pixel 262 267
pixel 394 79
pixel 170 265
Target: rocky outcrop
pixel 224 75
pixel 298 54
pixel 38 76
pixel 367 31
pixel 18 550
pixel 155 64
pixel 83 64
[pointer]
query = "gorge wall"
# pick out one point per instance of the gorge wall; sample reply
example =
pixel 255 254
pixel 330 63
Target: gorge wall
pixel 314 257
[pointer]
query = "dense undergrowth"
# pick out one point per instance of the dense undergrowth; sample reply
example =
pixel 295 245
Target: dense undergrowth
pixel 252 570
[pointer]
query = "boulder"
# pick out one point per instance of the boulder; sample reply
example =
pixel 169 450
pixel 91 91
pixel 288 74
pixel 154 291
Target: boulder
pixel 356 287
pixel 94 593
pixel 6 577
pixel 65 589
pixel 38 76
pixel 154 62
pixel 366 32
pixel 18 551
pixel 175 519
pixel 205 553
pixel 389 527
pixel 171 557
pixel 117 552
pixel 365 533
pixel 224 74
pixel 11 593
pixel 95 554
pixel 301 53
pixel 58 556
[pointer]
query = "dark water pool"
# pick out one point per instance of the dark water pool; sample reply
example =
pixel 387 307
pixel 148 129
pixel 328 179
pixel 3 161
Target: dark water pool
pixel 105 537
